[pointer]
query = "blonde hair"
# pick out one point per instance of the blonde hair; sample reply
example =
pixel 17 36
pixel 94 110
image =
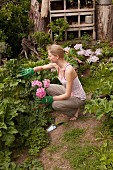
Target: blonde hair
pixel 56 50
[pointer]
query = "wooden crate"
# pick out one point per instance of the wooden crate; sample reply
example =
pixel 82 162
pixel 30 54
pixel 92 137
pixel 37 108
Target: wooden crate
pixel 75 15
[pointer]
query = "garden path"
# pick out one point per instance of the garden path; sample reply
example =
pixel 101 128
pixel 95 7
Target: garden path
pixel 53 160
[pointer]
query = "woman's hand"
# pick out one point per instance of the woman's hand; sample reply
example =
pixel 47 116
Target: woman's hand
pixel 27 72
pixel 47 100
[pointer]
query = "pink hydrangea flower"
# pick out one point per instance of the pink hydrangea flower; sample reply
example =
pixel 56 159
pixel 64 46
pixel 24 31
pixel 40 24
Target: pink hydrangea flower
pixel 41 92
pixel 46 83
pixel 36 83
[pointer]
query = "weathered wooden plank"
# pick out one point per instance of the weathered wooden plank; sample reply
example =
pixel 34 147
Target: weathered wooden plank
pixel 44 8
pixel 104 22
pixel 73 10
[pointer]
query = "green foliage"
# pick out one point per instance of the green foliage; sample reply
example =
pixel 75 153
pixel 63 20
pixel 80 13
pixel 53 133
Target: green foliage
pixel 5 161
pixel 42 39
pixel 71 60
pixel 37 140
pixel 86 37
pixel 21 119
pixel 71 36
pixel 102 106
pixel 2 47
pixel 31 163
pixel 14 22
pixel 84 67
pixel 107 51
pixel 98 75
pixel 58 27
pixel 3 37
pixel 106 156
pixel 106 89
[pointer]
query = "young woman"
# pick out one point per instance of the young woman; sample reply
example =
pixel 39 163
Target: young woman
pixel 68 97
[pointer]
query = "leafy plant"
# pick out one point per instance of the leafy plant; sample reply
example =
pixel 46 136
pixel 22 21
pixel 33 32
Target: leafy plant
pixel 107 51
pixel 58 27
pixel 101 103
pixel 31 163
pixel 71 36
pixel 106 156
pixel 42 39
pixel 37 140
pixel 5 161
pixel 86 37
pixel 14 23
pixel 19 114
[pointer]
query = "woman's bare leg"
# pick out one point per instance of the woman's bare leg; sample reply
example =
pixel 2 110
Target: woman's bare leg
pixel 75 116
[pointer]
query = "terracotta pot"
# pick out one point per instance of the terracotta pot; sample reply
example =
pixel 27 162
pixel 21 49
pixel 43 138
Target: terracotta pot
pixel 104 2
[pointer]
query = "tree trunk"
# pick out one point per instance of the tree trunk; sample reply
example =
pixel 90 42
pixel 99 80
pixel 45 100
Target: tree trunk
pixel 45 8
pixel 104 22
pixel 35 15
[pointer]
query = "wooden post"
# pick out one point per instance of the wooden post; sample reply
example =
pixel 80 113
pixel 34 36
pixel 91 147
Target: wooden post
pixel 104 22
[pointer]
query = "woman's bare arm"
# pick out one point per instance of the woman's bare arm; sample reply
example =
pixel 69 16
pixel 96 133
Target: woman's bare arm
pixel 44 67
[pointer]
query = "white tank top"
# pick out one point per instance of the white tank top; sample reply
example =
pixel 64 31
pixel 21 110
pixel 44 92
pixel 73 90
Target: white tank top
pixel 77 89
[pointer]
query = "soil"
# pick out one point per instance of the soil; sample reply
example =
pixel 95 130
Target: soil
pixel 55 160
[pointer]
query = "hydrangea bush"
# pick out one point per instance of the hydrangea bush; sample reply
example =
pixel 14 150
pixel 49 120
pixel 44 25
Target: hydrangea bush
pixel 41 90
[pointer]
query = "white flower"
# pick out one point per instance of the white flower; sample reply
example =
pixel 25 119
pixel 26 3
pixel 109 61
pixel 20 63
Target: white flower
pixel 66 49
pixel 81 52
pixel 88 52
pixel 98 51
pixel 92 59
pixel 78 47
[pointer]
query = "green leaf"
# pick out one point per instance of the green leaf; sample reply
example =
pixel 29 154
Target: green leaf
pixel 12 84
pixel 3 125
pixel 1 86
pixel 12 130
pixel 0 133
pixel 8 138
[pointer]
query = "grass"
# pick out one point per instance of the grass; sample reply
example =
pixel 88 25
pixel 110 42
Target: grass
pixel 73 135
pixel 54 148
pixel 81 155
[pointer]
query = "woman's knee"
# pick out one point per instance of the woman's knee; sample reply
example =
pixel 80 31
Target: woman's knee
pixel 51 89
pixel 55 105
